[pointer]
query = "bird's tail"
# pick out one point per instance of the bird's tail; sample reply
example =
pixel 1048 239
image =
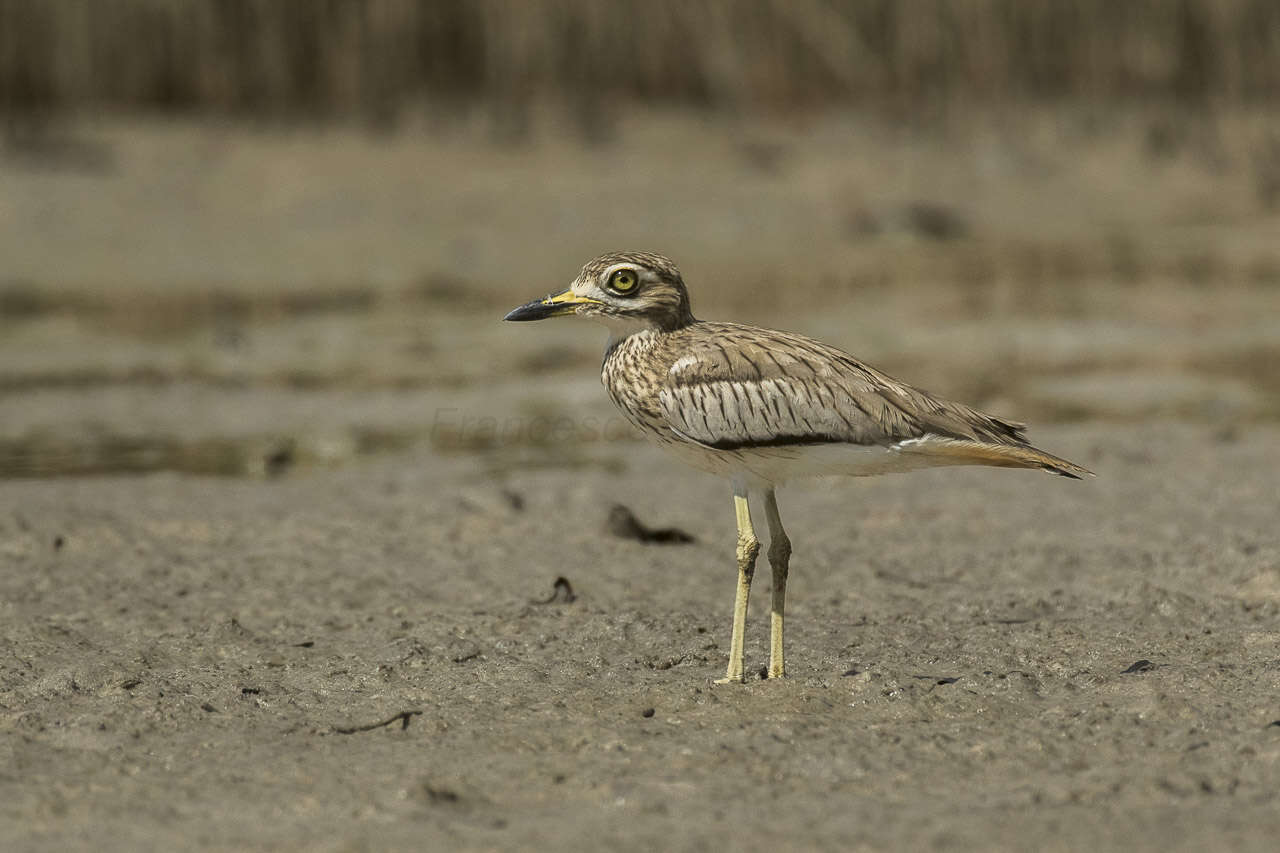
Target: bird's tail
pixel 957 451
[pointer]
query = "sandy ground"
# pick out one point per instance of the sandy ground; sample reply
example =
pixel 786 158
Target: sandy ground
pixel 182 658
pixel 283 506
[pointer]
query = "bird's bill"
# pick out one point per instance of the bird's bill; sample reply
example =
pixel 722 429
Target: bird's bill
pixel 551 306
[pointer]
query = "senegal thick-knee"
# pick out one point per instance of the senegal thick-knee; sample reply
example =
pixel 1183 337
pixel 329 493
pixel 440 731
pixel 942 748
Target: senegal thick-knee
pixel 762 407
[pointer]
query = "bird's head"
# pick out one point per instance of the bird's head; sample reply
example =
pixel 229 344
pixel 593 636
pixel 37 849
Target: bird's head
pixel 627 291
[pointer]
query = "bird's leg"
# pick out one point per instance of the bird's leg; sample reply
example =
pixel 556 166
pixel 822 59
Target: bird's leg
pixel 779 557
pixel 748 548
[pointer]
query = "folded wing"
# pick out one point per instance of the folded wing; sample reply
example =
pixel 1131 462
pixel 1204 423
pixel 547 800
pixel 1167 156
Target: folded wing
pixel 738 387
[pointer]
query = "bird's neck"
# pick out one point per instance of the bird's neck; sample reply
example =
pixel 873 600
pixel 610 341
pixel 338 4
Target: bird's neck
pixel 622 328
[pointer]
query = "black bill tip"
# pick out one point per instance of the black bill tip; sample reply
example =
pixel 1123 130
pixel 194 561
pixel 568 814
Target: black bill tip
pixel 538 309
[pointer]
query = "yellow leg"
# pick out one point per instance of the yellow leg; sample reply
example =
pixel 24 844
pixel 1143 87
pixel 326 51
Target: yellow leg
pixel 779 558
pixel 748 548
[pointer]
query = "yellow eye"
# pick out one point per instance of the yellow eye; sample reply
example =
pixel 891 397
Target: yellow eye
pixel 623 281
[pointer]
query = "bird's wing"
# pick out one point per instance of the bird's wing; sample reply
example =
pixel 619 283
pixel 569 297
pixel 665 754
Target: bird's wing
pixel 736 387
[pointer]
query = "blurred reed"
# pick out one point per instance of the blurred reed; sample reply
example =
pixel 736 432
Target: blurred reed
pixel 376 57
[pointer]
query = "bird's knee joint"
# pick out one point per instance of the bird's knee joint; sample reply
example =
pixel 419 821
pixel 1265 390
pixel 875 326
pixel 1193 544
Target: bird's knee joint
pixel 780 549
pixel 748 549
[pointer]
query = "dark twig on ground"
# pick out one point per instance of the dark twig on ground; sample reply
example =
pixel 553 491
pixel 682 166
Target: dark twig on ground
pixel 561 593
pixel 623 523
pixel 403 717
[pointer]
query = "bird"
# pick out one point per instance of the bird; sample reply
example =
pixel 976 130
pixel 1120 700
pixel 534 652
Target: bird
pixel 762 407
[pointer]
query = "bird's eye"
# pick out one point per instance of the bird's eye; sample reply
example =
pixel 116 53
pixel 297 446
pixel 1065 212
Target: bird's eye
pixel 623 281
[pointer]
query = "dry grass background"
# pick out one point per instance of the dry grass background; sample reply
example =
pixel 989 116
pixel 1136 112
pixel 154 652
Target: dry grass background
pixel 290 57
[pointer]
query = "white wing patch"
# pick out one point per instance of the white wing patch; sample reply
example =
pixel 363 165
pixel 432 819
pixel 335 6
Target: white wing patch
pixel 682 363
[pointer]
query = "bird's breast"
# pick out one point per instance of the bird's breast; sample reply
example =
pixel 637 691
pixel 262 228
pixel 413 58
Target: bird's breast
pixel 632 373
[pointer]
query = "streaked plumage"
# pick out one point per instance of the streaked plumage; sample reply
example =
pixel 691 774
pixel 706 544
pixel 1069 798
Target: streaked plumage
pixel 754 401
pixel 763 407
